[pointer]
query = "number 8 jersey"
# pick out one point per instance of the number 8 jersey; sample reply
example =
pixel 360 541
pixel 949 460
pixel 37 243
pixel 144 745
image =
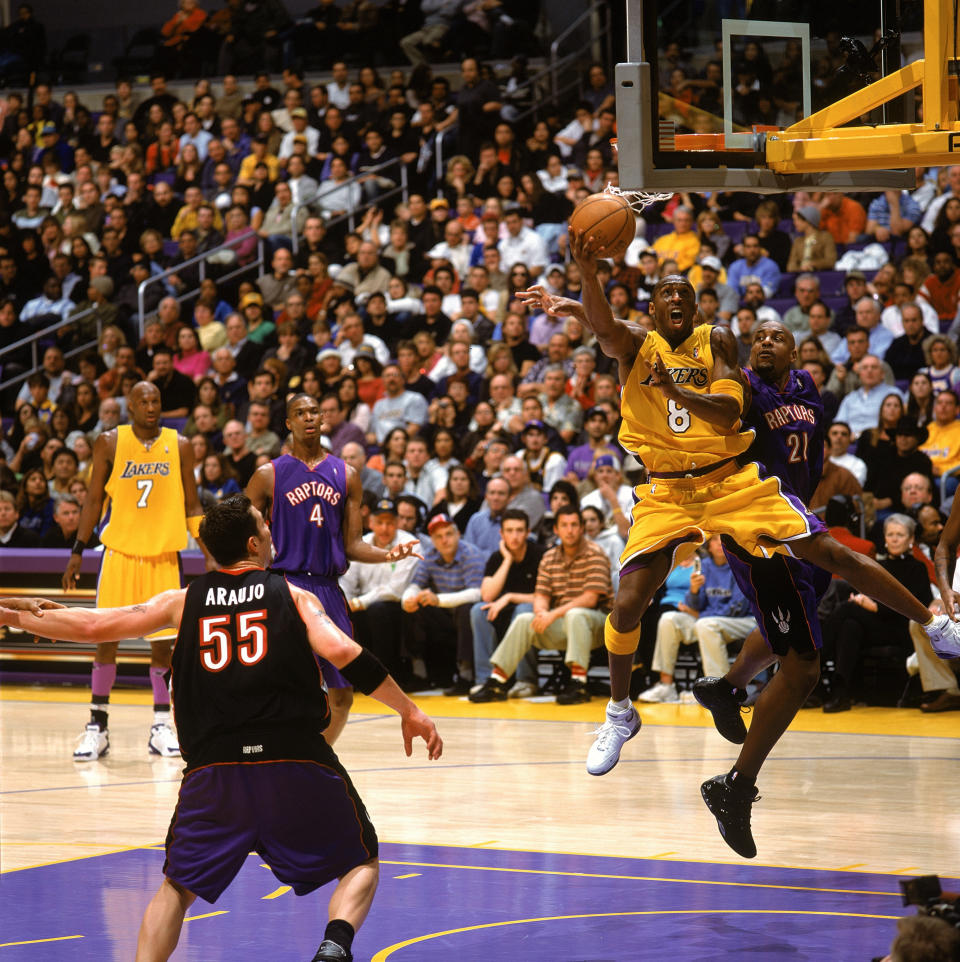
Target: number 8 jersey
pixel 307 516
pixel 664 435
pixel 145 514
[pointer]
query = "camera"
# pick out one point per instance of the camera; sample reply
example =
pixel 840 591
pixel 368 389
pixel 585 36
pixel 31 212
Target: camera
pixel 925 892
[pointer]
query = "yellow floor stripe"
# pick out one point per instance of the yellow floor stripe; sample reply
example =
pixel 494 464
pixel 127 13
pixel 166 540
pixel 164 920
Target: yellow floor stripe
pixel 276 893
pixel 208 915
pixel 637 878
pixel 384 954
pixel 859 721
pixel 410 875
pixel 59 938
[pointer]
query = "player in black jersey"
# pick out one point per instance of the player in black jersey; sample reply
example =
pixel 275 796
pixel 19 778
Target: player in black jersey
pixel 251 707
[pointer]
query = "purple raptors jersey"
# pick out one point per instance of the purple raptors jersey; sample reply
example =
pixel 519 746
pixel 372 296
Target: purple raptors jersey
pixel 307 516
pixel 789 431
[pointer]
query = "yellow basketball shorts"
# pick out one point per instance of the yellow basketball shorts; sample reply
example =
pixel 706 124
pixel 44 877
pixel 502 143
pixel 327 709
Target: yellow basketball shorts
pixel 679 514
pixel 127 580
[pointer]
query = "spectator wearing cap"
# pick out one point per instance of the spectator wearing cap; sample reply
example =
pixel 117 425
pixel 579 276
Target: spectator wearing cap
pixel 437 602
pixel 806 291
pixel 728 299
pixel 886 476
pixel 373 591
pixel 300 131
pixel 813 249
pixel 545 467
pixel 260 329
pixel 50 140
pixel 507 590
pixel 861 407
pixel 580 459
pixel 612 496
pixel 754 267
pixel 572 595
pixel 842 217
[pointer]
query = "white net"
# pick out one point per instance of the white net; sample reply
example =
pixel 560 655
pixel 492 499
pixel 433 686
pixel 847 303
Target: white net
pixel 639 200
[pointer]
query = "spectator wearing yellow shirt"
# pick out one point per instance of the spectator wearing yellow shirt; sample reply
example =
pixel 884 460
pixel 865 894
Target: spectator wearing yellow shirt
pixel 943 442
pixel 682 244
pixel 186 218
pixel 259 154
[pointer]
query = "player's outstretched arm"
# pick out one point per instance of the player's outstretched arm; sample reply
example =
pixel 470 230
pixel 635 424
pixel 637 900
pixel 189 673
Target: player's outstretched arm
pixel 356 548
pixel 730 397
pixel 365 672
pixel 96 625
pixel 945 559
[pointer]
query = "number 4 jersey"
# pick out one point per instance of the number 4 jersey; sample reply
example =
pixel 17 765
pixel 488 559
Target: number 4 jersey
pixel 307 516
pixel 246 685
pixel 664 435
pixel 145 514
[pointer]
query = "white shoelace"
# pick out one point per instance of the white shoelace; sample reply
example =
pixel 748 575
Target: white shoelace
pixel 608 729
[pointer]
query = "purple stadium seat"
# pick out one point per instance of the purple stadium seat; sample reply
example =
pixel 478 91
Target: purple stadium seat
pixel 835 303
pixel 657 230
pixel 780 304
pixel 171 248
pixel 831 282
pixel 787 281
pixel 736 229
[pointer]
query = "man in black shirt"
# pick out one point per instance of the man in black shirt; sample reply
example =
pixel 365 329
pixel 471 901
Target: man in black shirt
pixel 905 354
pixel 11 534
pixel 251 707
pixel 507 589
pixel 177 391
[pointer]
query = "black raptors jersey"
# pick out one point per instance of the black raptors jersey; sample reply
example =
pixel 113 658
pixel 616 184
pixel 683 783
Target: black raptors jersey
pixel 246 685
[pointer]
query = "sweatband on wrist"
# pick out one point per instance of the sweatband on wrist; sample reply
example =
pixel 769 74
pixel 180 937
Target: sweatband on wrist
pixel 731 388
pixel 193 525
pixel 366 672
pixel 78 547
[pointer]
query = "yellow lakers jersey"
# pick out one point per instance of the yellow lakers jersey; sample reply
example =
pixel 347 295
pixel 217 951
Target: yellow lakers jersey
pixel 663 434
pixel 145 514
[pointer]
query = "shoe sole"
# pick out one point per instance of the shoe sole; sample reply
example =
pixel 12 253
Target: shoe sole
pixel 156 751
pixel 617 759
pixel 720 828
pixel 92 758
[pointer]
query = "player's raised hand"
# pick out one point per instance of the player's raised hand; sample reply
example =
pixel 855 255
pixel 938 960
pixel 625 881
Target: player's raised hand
pixel 417 724
pixel 585 250
pixel 660 377
pixel 406 549
pixel 540 299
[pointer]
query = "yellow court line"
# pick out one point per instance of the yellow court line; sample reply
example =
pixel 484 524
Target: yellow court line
pixel 638 878
pixel 59 938
pixel 276 893
pixel 411 875
pixel 384 954
pixel 208 915
pixel 72 858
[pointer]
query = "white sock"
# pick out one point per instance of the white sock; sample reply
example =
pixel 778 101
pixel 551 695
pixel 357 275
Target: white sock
pixel 619 707
pixel 161 717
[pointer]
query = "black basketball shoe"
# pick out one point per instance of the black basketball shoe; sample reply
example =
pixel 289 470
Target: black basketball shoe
pixel 331 952
pixel 716 695
pixel 730 805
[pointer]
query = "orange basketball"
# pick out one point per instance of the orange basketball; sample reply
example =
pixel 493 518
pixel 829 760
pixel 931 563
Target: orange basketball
pixel 609 219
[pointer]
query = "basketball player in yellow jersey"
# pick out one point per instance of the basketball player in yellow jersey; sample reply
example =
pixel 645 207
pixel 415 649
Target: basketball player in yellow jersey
pixel 682 398
pixel 146 473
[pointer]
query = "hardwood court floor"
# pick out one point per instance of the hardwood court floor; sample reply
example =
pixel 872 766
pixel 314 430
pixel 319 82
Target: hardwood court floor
pixel 848 802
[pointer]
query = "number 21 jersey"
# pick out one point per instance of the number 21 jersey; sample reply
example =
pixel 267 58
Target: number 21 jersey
pixel 307 516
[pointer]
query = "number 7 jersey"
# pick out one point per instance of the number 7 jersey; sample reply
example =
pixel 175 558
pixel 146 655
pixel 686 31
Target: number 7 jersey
pixel 664 435
pixel 145 514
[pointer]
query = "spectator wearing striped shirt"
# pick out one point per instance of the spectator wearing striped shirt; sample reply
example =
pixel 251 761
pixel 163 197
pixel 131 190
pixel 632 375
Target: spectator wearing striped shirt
pixel 437 602
pixel 571 600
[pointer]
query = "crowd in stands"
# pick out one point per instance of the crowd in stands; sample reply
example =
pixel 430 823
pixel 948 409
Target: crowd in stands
pixel 485 431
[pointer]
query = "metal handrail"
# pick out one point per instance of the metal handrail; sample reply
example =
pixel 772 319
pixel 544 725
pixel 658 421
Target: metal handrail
pixel 200 259
pixel 401 188
pixel 604 33
pixel 35 337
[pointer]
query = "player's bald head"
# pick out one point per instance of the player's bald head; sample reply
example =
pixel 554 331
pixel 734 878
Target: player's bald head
pixel 775 326
pixel 143 390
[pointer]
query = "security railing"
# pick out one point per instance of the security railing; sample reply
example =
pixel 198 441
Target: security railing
pixel 202 260
pixel 367 198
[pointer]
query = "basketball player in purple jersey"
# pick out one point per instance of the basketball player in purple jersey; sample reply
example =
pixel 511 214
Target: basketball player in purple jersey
pixel 313 502
pixel 786 414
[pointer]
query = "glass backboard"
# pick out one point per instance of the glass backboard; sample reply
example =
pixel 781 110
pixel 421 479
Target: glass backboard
pixel 706 83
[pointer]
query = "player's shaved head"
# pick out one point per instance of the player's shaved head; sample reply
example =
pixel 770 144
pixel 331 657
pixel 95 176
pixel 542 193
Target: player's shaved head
pixel 775 325
pixel 773 351
pixel 300 397
pixel 144 405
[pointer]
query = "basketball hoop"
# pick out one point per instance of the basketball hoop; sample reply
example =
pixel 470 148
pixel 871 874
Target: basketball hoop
pixel 639 200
